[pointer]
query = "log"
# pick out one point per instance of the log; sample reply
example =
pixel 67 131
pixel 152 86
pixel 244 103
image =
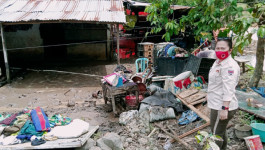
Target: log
pixel 175 137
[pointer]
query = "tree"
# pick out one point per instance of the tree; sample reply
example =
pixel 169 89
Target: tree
pixel 208 15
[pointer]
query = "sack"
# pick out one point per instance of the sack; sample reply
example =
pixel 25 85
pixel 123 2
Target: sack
pixel 40 120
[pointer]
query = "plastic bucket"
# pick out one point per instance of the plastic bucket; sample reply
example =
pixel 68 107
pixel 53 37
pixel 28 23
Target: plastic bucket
pixel 258 129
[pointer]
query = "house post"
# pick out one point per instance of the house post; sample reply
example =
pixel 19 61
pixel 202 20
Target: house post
pixel 118 44
pixel 5 54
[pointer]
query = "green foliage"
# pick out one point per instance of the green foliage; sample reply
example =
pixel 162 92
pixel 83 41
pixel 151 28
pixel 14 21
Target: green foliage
pixel 246 118
pixel 207 140
pixel 208 15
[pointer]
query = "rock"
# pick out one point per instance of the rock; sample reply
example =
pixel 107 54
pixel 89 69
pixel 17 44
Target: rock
pixel 135 130
pixel 143 141
pixel 88 145
pixel 95 148
pixel 70 103
pixel 102 145
pixel 113 140
pixel 129 140
pixel 126 144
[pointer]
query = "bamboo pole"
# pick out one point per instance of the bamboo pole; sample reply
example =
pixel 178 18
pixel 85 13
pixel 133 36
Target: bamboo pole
pixel 5 54
pixel 118 44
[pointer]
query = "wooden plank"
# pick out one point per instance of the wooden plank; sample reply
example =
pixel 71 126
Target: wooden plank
pixel 59 143
pixel 194 130
pixel 188 93
pixel 198 101
pixel 195 97
pixel 204 117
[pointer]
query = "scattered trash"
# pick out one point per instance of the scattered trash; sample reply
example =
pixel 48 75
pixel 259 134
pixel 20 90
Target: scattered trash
pixel 188 117
pixel 253 142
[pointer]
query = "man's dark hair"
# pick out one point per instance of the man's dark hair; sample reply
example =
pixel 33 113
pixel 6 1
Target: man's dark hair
pixel 227 40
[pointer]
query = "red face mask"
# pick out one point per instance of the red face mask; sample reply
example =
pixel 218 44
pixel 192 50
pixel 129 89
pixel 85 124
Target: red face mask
pixel 222 54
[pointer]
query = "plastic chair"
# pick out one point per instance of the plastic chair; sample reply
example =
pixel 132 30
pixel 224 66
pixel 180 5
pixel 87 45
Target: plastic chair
pixel 143 64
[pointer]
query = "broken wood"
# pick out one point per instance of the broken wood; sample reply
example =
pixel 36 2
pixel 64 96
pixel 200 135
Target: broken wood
pixel 188 93
pixel 204 117
pixel 153 131
pixel 198 102
pixel 194 130
pixel 174 137
pixel 195 97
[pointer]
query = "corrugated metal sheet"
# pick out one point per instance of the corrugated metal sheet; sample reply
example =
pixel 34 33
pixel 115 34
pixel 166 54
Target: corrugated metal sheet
pixel 110 11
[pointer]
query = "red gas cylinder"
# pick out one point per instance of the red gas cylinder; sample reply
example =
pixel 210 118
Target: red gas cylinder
pixel 131 100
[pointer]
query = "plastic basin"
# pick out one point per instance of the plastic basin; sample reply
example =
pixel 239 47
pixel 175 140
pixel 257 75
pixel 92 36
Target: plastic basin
pixel 259 129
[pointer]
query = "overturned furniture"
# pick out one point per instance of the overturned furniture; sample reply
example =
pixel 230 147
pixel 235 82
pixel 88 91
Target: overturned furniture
pixel 110 93
pixel 190 98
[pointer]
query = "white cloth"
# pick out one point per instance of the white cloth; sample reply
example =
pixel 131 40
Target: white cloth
pixel 10 140
pixel 73 130
pixel 223 78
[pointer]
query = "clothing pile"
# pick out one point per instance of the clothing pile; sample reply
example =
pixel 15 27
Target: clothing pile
pixel 34 126
pixel 171 50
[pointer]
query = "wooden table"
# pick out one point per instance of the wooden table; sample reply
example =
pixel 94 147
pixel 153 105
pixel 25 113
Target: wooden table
pixel 110 92
pixel 243 61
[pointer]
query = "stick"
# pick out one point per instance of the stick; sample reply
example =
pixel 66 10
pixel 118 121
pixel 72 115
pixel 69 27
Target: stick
pixel 175 137
pixel 199 46
pixel 153 131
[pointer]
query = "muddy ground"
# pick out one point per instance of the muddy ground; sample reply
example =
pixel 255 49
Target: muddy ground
pixel 53 92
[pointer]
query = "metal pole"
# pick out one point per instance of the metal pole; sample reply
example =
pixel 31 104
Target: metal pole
pixel 118 44
pixel 5 54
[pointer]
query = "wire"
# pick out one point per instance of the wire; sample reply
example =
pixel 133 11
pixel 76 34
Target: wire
pixel 58 71
pixel 75 43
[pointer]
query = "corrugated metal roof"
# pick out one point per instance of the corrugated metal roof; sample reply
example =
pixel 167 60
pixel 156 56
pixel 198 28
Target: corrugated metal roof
pixel 109 11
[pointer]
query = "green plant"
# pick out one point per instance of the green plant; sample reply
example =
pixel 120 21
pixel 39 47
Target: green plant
pixel 246 118
pixel 208 140
pixel 97 135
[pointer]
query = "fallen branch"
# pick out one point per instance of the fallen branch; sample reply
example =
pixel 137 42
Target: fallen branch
pixel 175 137
pixel 153 131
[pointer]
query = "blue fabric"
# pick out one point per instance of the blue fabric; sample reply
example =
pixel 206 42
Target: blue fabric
pixel 167 47
pixel 22 137
pixel 40 121
pixel 29 129
pixel 260 90
pixel 171 51
pixel 188 117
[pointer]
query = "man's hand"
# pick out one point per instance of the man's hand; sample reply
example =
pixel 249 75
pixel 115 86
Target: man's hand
pixel 223 114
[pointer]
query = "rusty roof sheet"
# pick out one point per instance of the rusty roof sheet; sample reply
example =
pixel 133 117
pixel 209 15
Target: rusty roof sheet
pixel 108 11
